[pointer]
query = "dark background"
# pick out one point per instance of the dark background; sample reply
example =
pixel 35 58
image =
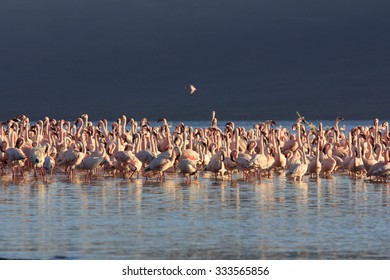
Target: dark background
pixel 250 59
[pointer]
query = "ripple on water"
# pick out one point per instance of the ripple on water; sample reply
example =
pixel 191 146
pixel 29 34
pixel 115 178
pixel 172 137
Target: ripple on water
pixel 335 218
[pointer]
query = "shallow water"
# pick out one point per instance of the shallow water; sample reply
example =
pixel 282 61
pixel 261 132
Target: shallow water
pixel 203 219
pixel 334 218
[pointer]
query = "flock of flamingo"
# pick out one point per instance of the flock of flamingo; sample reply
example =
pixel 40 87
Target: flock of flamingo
pixel 127 148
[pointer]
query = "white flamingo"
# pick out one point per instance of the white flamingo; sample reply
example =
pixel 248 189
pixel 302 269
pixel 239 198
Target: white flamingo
pixel 162 163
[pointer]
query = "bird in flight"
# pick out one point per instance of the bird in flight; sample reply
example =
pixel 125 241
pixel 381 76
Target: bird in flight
pixel 192 89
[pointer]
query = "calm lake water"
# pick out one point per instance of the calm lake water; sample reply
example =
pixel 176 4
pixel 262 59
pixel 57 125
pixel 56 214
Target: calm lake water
pixel 335 218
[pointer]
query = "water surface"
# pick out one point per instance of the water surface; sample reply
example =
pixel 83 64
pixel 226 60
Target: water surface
pixel 203 219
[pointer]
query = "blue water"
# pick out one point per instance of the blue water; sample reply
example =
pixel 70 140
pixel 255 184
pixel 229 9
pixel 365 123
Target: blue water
pixel 335 218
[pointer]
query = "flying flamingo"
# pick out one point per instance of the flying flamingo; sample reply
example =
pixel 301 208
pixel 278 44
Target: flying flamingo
pixel 192 89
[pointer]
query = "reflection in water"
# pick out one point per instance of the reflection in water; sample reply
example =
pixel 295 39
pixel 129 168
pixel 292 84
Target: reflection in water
pixel 319 194
pixel 302 194
pixel 387 195
pixel 202 219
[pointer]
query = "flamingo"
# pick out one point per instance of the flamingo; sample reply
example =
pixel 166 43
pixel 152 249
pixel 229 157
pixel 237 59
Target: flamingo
pixel 135 164
pixel 192 89
pixel 229 164
pixel 80 143
pixel 89 164
pixel 280 161
pixel 188 167
pixel 72 158
pixel 240 159
pixel 356 166
pixel 49 162
pixel 328 163
pixel 14 157
pixel 382 168
pixel 368 158
pixel 37 157
pixel 261 161
pixel 315 165
pixel 297 170
pixel 216 164
pixel 165 141
pixel 162 163
pixel 292 158
pixel 205 155
pixel 348 158
pixel 189 152
pixel 145 156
